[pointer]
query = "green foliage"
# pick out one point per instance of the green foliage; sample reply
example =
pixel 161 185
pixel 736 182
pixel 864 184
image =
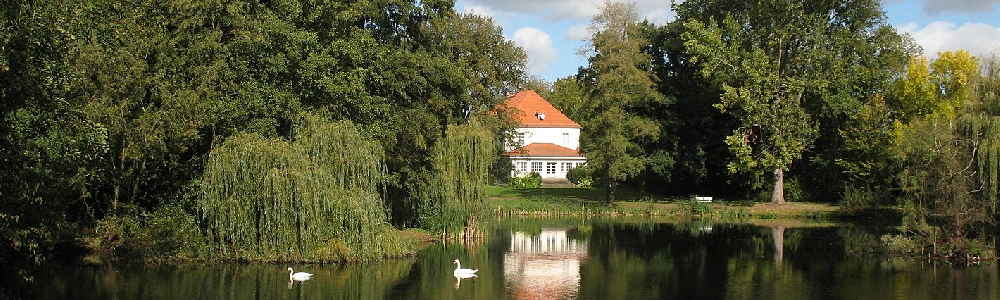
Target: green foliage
pixel 620 86
pixel 868 141
pixel 271 199
pixel 794 191
pixel 111 104
pixel 940 87
pixel 168 232
pixel 916 93
pixel 791 72
pixel 859 198
pixel 532 180
pixel 569 95
pixel 982 125
pixel 461 165
pixel 900 244
pixel 579 175
pixel 175 233
pixel 939 179
pixel 701 208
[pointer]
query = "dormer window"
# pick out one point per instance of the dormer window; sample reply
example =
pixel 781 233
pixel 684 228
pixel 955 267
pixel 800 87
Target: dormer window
pixel 539 115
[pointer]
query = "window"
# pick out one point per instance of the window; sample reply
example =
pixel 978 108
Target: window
pixel 536 166
pixel 522 167
pixel 565 138
pixel 566 166
pixel 550 168
pixel 580 164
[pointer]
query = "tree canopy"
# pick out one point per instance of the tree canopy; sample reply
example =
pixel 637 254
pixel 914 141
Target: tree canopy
pixel 619 86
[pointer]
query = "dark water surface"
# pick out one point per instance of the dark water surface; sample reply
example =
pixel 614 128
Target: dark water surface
pixel 569 259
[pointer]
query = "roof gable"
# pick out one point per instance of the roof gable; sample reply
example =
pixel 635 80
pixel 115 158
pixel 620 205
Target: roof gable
pixel 533 111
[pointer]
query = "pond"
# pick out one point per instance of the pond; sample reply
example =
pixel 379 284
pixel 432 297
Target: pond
pixel 569 259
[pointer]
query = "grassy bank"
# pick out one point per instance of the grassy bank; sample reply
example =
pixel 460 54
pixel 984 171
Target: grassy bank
pixel 505 201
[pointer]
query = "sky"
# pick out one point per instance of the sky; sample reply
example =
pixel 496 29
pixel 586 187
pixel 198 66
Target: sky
pixel 552 31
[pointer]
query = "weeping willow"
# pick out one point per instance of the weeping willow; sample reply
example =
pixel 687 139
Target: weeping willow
pixel 982 126
pixel 461 161
pixel 315 198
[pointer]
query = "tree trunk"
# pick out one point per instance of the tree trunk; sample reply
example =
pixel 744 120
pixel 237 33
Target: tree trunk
pixel 778 236
pixel 778 194
pixel 612 185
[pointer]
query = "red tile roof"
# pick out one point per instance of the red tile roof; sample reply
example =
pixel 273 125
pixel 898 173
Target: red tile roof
pixel 544 150
pixel 529 105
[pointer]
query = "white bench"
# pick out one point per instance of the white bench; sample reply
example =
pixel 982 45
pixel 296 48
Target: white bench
pixel 702 199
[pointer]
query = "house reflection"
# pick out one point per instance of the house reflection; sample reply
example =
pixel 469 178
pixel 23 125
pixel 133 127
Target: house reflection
pixel 544 266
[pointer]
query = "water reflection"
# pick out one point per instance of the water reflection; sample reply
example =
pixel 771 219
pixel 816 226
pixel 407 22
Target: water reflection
pixel 459 277
pixel 570 259
pixel 544 266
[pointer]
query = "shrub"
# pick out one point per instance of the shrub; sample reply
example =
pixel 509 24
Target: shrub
pixel 580 176
pixel 532 180
pixel 167 232
pixel 119 237
pixel 176 233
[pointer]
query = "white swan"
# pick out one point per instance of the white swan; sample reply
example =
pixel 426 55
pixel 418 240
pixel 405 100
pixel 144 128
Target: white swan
pixel 300 276
pixel 463 273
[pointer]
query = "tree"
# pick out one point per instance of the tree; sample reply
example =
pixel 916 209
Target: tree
pixel 111 108
pixel 941 86
pixel 915 93
pixel 569 95
pixel 949 149
pixel 791 73
pixel 620 85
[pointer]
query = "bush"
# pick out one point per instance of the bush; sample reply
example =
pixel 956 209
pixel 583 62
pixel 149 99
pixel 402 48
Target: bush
pixel 532 180
pixel 175 232
pixel 168 232
pixel 580 176
pixel 119 237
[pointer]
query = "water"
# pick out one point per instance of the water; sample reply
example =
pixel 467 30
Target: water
pixel 569 259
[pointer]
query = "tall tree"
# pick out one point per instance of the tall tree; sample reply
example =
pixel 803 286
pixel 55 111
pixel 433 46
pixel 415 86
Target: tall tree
pixel 569 95
pixel 620 85
pixel 791 72
pixel 948 148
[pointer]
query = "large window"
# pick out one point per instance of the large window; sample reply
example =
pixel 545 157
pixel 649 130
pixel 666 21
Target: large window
pixel 550 168
pixel 566 166
pixel 565 138
pixel 522 167
pixel 536 166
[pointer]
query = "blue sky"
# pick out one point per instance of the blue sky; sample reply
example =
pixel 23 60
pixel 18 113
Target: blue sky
pixel 551 31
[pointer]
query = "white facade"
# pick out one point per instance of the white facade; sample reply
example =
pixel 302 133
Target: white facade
pixel 566 137
pixel 547 143
pixel 548 167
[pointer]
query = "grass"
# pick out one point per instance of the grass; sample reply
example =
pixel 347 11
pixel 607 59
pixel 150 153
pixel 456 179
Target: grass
pixel 629 202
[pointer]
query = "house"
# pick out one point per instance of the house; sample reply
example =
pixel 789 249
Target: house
pixel 548 142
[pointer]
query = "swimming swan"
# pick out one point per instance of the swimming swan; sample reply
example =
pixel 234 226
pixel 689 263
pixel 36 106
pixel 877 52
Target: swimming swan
pixel 459 272
pixel 300 276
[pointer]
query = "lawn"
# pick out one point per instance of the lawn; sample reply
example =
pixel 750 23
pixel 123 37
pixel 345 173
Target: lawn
pixel 629 202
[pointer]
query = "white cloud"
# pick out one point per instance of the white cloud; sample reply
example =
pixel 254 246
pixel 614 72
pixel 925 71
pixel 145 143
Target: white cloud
pixel 659 16
pixel 658 11
pixel 480 11
pixel 538 45
pixel 977 38
pixel 934 7
pixel 578 32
